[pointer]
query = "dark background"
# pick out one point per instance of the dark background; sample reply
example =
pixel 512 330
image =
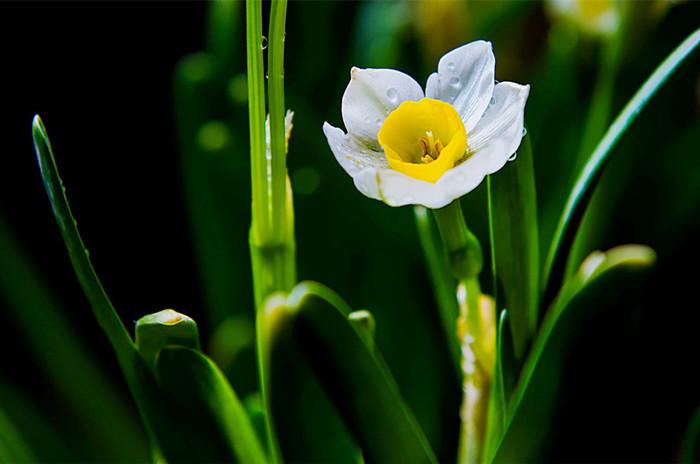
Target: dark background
pixel 100 75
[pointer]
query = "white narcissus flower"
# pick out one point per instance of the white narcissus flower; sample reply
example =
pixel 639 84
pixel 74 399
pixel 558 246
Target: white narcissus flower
pixel 404 147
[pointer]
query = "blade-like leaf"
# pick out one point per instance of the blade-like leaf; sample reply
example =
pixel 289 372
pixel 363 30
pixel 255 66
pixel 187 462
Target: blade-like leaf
pixel 305 422
pixel 173 439
pixel 355 377
pixel 201 389
pixel 515 236
pixel 104 311
pixel 37 430
pixel 497 403
pixel 12 446
pixel 441 279
pixel 583 188
pixel 530 407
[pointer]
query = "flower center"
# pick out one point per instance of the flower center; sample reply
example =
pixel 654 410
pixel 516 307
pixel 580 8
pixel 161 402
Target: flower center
pixel 423 139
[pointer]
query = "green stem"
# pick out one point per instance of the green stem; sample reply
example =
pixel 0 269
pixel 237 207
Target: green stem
pixel 466 262
pixel 278 165
pixel 272 244
pixel 463 248
pixel 256 114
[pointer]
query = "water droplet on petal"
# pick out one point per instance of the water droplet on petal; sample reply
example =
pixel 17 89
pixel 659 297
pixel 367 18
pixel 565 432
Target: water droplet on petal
pixel 454 82
pixel 451 66
pixel 492 102
pixel 513 156
pixel 524 131
pixel 264 42
pixel 393 95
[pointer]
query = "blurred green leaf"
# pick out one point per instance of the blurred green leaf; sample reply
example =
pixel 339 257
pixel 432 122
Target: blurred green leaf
pixel 530 407
pixel 215 176
pixel 691 442
pixel 223 29
pixel 583 189
pixel 355 376
pixel 69 365
pixel 515 244
pixel 38 431
pixel 12 446
pixel 443 283
pixel 201 389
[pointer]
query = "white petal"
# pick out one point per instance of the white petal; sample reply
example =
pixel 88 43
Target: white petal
pixel 351 155
pixel 465 78
pixel 370 96
pixel 397 189
pixel 498 134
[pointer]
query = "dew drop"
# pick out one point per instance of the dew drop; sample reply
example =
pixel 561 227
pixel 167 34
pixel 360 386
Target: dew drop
pixel 392 94
pixel 451 66
pixel 513 156
pixel 264 42
pixel 492 102
pixel 524 131
pixel 454 82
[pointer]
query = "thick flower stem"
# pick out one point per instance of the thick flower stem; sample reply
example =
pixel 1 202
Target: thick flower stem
pixel 272 245
pixel 474 328
pixel 463 248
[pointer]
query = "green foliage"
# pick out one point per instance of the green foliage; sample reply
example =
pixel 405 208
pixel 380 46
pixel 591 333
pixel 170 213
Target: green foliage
pixel 515 244
pixel 529 408
pixel 351 371
pixel 324 393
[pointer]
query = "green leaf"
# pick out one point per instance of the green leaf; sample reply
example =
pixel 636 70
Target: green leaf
pixel 587 179
pixel 443 283
pixel 530 407
pixel 354 375
pixel 12 445
pixel 46 441
pixel 167 327
pixel 305 422
pixel 202 391
pixel 515 244
pixel 68 364
pixel 104 311
pixel 176 440
pixel 691 441
pixel 497 403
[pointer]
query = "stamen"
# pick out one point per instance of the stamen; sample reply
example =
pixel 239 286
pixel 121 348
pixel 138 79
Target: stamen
pixel 431 147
